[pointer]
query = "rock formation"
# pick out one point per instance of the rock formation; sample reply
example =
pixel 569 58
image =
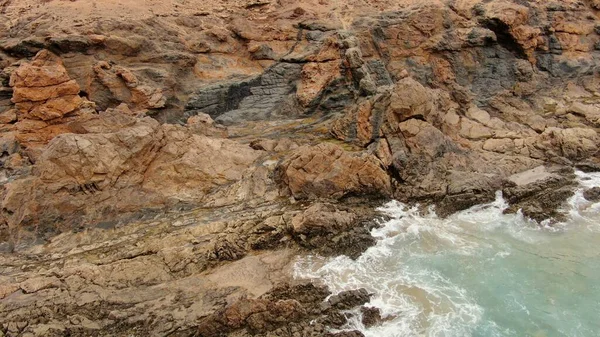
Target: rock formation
pixel 163 162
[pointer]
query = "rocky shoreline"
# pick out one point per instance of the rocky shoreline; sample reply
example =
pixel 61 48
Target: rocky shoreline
pixel 164 163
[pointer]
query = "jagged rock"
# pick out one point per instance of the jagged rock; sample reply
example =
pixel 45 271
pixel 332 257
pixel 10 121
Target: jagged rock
pixel 43 89
pixel 349 299
pixel 321 218
pixel 126 87
pixel 540 192
pixel 189 166
pixel 370 316
pixel 327 171
pixel 440 103
pixel 592 194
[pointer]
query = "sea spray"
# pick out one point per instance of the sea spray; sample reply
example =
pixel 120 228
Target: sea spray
pixel 479 272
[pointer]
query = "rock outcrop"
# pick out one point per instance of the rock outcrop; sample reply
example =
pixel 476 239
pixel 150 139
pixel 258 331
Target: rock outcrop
pixel 328 171
pixel 162 164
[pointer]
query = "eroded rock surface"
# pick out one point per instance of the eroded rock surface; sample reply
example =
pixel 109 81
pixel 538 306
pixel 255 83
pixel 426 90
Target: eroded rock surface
pixel 163 162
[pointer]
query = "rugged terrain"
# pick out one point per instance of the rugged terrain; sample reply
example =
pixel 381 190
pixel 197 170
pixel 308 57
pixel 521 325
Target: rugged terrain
pixel 164 162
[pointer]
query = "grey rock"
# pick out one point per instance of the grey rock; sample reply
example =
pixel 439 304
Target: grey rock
pixel 354 57
pixel 268 95
pixel 592 194
pixel 71 43
pixel 263 52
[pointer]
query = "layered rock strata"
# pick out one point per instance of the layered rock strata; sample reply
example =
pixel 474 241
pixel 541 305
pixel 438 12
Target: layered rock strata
pixel 164 162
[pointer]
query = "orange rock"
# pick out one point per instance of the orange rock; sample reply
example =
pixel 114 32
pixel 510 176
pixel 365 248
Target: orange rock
pixel 38 94
pixel 55 107
pixel 327 171
pixel 315 77
pixel 45 70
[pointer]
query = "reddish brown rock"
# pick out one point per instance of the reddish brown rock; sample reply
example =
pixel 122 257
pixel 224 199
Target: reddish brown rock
pixel 190 166
pixel 322 218
pixel 125 86
pixel 315 77
pixel 327 171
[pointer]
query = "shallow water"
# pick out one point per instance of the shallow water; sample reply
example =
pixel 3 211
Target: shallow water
pixel 477 273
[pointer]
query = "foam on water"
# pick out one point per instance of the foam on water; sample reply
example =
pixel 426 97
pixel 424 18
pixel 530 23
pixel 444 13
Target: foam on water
pixel 477 273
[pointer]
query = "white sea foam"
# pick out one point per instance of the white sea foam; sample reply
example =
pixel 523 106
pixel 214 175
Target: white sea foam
pixel 423 269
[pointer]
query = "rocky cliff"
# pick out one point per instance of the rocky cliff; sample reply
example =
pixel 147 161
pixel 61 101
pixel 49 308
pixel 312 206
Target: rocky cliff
pixel 164 161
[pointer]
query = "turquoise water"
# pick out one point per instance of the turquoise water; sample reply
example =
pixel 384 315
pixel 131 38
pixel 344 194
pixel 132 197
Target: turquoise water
pixel 477 273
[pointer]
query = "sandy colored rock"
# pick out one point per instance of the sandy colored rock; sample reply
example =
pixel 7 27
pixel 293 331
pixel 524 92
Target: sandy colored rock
pixel 572 143
pixel 189 166
pixel 8 116
pixel 410 99
pixel 327 171
pixel 102 159
pixel 321 218
pixel 45 70
pixel 38 94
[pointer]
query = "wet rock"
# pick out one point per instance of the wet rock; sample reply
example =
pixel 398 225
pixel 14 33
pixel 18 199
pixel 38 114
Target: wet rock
pixel 293 307
pixel 467 189
pixel 588 166
pixel 370 316
pixel 347 334
pixel 592 194
pixel 330 230
pixel 539 193
pixel 349 299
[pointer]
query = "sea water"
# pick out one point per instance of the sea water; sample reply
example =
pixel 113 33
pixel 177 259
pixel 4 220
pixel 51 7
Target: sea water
pixel 477 273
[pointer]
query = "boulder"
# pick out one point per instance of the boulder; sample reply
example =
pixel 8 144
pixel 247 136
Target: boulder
pixel 540 192
pixel 328 171
pixel 102 159
pixel 43 89
pixel 592 194
pixel 410 100
pixel 191 165
pixel 571 143
pixel 322 218
pixel 370 316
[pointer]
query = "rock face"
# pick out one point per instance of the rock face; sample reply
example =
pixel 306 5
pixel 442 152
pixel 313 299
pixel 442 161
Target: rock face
pixel 45 97
pixel 173 157
pixel 119 164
